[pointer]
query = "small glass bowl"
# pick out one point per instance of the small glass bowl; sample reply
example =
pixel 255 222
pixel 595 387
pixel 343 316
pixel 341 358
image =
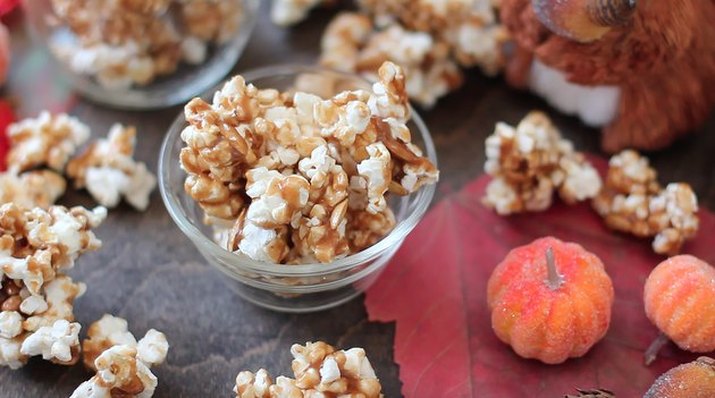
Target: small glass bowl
pixel 167 90
pixel 293 288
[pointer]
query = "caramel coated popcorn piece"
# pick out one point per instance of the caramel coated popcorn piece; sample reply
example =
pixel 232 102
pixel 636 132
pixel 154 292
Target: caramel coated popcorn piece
pixel 108 170
pixel 36 188
pixel 532 161
pixel 36 246
pixel 352 43
pixel 48 140
pixel 122 364
pixel 290 12
pixel 632 201
pixel 319 371
pixel 280 175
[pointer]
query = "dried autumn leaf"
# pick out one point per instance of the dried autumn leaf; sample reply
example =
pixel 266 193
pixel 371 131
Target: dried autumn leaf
pixel 435 290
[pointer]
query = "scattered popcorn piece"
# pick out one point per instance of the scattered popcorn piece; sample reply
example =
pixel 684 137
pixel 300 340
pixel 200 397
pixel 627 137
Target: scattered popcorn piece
pixel 290 12
pixel 108 171
pixel 278 173
pixel 352 43
pixel 58 343
pixel 122 364
pixel 532 161
pixel 36 188
pixel 36 299
pixel 123 44
pixel 320 371
pixel 632 201
pixel 48 140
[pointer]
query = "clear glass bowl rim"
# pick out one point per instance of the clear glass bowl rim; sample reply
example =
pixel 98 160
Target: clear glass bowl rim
pixel 419 205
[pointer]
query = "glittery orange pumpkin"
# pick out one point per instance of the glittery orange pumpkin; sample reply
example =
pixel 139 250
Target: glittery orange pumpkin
pixel 691 380
pixel 679 298
pixel 550 300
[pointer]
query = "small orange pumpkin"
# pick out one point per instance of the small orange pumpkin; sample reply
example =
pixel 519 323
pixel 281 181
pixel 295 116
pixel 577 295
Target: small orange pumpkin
pixel 691 380
pixel 550 300
pixel 679 298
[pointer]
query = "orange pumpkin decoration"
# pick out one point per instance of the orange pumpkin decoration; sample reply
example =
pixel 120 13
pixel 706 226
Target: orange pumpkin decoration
pixel 550 300
pixel 679 298
pixel 691 380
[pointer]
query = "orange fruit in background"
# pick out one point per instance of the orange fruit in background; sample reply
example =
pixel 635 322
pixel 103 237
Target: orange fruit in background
pixel 691 380
pixel 679 299
pixel 550 312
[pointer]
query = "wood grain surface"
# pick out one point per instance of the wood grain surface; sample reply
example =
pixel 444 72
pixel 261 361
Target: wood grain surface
pixel 150 274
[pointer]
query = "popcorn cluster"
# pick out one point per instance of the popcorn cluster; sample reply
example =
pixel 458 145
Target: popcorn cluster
pixel 430 39
pixel 532 161
pixel 125 43
pixel 301 178
pixel 44 147
pixel 633 201
pixel 122 364
pixel 108 170
pixel 320 371
pixel 36 298
pixel 352 43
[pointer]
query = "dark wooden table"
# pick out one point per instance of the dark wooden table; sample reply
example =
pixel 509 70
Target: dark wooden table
pixel 150 274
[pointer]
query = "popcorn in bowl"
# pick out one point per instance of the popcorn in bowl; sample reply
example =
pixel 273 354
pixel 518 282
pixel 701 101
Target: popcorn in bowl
pixel 319 371
pixel 132 43
pixel 292 178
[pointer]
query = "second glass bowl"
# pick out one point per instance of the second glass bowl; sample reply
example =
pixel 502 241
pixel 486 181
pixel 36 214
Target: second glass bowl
pixel 53 32
pixel 292 288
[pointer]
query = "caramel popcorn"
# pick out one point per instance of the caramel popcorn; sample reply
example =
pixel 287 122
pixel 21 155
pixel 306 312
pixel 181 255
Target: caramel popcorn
pixel 122 364
pixel 48 140
pixel 532 161
pixel 125 43
pixel 37 188
pixel 290 12
pixel 352 43
pixel 108 171
pixel 36 299
pixel 632 201
pixel 284 176
pixel 319 371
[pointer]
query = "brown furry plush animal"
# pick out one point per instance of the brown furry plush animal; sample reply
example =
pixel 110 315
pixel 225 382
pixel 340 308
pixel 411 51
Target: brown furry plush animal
pixel 644 72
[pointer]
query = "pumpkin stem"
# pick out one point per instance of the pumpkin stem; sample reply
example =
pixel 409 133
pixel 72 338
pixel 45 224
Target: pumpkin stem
pixel 652 352
pixel 554 280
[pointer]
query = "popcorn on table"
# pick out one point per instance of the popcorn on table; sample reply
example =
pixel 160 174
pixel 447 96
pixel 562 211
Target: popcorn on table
pixel 290 12
pixel 528 163
pixel 122 364
pixel 108 171
pixel 633 201
pixel 48 140
pixel 36 188
pixel 36 299
pixel 319 370
pixel 126 43
pixel 352 43
pixel 430 39
pixel 294 173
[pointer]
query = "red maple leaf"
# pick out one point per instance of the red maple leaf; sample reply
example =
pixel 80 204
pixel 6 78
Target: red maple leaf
pixel 435 290
pixel 7 116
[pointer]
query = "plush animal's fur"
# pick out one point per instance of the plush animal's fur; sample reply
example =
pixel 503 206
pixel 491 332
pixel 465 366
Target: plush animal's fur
pixel 663 60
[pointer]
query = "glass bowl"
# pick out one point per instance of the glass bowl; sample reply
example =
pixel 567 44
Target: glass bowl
pixel 292 288
pixel 176 87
